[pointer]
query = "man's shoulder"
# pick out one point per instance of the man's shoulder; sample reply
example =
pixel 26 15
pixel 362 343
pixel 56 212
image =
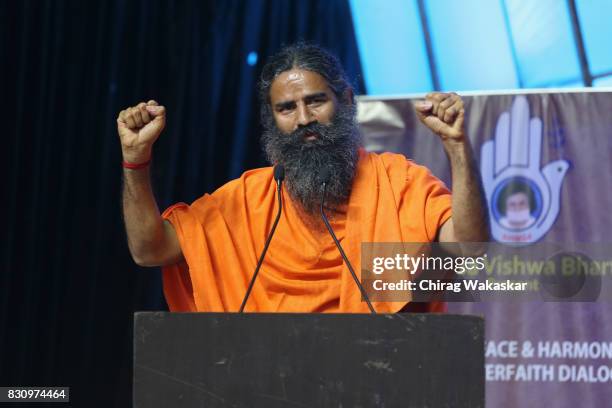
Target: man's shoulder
pixel 388 157
pixel 251 181
pixel 398 163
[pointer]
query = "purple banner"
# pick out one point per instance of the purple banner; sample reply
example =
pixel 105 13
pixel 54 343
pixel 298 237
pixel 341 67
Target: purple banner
pixel 545 163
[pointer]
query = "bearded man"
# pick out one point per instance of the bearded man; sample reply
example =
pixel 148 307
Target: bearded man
pixel 209 249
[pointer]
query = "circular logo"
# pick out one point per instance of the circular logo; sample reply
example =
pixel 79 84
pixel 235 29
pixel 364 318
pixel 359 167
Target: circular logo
pixel 516 203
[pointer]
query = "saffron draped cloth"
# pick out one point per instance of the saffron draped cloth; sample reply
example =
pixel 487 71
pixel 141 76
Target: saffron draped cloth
pixel 222 235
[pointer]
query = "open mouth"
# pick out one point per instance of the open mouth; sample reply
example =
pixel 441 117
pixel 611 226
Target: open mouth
pixel 309 136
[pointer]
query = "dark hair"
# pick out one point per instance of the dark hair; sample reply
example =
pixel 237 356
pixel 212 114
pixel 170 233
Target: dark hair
pixel 303 56
pixel 515 187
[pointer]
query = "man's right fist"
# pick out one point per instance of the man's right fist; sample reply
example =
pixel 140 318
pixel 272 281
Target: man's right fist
pixel 138 128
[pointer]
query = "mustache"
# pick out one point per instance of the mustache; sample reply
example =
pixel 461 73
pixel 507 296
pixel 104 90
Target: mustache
pixel 322 132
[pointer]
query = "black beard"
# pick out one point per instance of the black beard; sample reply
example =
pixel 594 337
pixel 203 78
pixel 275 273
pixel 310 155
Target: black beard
pixel 336 147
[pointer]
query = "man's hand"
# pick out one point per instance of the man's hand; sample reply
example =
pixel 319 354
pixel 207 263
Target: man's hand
pixel 443 113
pixel 152 241
pixel 139 127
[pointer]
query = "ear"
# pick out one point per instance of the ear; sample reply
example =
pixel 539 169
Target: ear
pixel 349 96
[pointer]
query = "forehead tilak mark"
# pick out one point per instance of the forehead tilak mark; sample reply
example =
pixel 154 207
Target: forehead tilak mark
pixel 295 75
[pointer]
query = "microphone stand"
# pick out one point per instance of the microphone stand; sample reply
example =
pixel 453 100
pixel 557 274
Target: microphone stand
pixel 279 175
pixel 346 261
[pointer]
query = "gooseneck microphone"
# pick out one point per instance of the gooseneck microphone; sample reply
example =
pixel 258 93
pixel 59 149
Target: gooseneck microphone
pixel 324 177
pixel 279 176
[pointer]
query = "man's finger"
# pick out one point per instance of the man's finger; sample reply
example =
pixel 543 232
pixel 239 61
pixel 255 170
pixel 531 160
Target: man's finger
pixel 128 119
pixel 121 121
pixel 433 123
pixel 442 106
pixel 449 101
pixel 156 111
pixel 143 113
pixel 423 106
pixel 435 98
pixel 137 116
pixel 451 113
pixel 422 109
pixel 460 118
pixel 440 112
pixel 445 103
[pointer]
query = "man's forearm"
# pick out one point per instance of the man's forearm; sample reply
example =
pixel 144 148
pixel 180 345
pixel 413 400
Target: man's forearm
pixel 470 212
pixel 143 222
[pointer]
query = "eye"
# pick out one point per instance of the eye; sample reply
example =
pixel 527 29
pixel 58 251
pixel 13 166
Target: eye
pixel 318 100
pixel 285 108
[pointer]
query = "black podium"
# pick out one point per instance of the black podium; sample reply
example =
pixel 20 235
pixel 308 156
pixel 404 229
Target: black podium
pixel 307 360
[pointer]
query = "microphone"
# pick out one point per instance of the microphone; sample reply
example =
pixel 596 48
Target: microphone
pixel 324 177
pixel 279 176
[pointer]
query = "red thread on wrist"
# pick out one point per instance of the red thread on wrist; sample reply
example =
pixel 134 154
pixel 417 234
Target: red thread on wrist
pixel 135 166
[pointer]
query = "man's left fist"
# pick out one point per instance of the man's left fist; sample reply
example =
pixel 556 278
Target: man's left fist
pixel 443 113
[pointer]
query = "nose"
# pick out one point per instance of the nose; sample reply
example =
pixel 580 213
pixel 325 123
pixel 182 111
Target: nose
pixel 304 115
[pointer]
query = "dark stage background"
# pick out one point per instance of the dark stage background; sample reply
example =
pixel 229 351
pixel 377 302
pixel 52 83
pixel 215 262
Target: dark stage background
pixel 68 287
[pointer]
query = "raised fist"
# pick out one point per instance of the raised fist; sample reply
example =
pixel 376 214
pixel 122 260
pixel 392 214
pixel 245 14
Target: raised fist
pixel 139 127
pixel 443 113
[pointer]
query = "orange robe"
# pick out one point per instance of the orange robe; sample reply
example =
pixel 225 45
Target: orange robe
pixel 222 235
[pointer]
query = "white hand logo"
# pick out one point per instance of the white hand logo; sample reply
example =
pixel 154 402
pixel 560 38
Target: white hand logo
pixel 523 199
